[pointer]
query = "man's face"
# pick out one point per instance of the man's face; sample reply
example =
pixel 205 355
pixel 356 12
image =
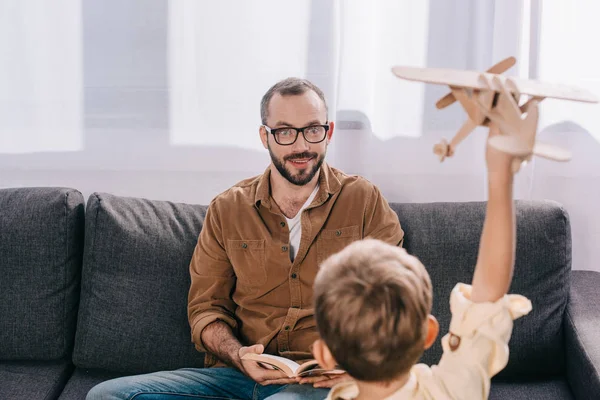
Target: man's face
pixel 299 162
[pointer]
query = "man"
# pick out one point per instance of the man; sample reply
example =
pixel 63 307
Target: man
pixel 258 254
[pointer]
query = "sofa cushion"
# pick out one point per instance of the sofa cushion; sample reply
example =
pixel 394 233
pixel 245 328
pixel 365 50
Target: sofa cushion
pixel 135 282
pixel 136 279
pixel 445 237
pixel 82 380
pixel 555 389
pixel 41 242
pixel 26 380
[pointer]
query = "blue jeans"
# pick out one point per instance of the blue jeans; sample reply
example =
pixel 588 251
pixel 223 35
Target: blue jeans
pixel 199 383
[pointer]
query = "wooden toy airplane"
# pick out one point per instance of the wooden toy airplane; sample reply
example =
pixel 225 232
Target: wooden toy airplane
pixel 490 97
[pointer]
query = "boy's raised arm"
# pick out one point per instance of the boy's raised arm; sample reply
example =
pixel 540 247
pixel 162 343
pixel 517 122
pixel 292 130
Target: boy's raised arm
pixel 495 261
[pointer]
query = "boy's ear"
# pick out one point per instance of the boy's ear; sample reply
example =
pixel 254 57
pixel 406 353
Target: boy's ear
pixel 433 328
pixel 323 355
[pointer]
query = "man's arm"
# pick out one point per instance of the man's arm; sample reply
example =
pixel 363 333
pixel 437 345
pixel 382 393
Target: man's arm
pixel 495 261
pixel 381 222
pixel 212 281
pixel 218 339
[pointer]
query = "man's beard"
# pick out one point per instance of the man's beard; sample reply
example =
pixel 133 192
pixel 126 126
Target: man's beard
pixel 305 175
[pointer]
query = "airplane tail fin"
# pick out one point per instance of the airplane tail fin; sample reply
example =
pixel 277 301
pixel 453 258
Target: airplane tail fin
pixel 517 147
pixel 551 152
pixel 511 144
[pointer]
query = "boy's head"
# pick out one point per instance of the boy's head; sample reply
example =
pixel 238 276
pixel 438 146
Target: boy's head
pixel 372 306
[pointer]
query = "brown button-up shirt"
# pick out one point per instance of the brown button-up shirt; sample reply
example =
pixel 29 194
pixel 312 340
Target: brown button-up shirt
pixel 241 271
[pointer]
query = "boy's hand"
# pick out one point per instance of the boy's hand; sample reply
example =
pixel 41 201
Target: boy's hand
pixel 498 162
pixel 325 381
pixel 258 373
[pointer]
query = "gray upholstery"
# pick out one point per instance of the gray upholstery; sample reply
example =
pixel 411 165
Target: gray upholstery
pixel 82 381
pixel 445 237
pixel 552 389
pixel 132 311
pixel 41 238
pixel 28 380
pixel 137 255
pixel 582 330
pixel 135 282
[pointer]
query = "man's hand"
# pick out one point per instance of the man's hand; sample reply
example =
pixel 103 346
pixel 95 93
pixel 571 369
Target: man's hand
pixel 261 375
pixel 324 381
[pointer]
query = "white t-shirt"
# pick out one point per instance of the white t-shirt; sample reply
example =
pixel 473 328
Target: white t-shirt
pixel 295 225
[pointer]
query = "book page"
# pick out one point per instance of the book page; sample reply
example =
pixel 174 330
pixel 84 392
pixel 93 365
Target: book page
pixel 312 368
pixel 317 371
pixel 308 365
pixel 289 363
pixel 288 367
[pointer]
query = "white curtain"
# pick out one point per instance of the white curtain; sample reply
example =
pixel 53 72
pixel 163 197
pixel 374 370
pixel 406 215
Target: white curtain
pixel 373 36
pixel 387 127
pixel 41 96
pixel 567 36
pixel 221 59
pixel 162 97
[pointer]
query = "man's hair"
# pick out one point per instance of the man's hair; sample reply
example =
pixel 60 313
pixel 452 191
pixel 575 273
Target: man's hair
pixel 288 87
pixel 372 301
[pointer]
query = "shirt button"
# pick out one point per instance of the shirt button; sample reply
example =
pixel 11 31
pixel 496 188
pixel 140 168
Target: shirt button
pixel 338 233
pixel 282 224
pixel 287 328
pixel 284 248
pixel 294 276
pixel 244 245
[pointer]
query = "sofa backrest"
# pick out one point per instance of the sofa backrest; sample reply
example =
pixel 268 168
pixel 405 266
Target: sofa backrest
pixel 135 279
pixel 41 242
pixel 445 237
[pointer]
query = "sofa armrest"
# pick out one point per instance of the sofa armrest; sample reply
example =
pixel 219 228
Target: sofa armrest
pixel 582 334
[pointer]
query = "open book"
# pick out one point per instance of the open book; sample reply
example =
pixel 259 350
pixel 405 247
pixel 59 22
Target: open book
pixel 290 368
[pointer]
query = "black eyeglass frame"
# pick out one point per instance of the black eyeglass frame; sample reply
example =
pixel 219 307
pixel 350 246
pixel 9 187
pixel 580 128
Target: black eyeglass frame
pixel 273 131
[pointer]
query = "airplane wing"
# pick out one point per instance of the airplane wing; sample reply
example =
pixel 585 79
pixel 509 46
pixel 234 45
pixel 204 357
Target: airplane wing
pixel 472 79
pixel 498 68
pixel 554 90
pixel 440 76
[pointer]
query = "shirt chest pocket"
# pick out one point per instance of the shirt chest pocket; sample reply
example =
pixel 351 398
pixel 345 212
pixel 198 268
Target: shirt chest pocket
pixel 248 260
pixel 331 241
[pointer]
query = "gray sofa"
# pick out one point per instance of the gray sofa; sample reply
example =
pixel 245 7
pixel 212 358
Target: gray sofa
pixel 88 294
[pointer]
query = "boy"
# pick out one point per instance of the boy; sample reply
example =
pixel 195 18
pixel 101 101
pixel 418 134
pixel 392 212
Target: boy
pixel 373 304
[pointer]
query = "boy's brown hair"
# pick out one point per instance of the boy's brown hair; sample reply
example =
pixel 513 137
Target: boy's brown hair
pixel 372 301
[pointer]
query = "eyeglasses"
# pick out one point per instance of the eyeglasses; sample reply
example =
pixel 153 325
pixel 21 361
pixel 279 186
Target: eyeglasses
pixel 288 136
